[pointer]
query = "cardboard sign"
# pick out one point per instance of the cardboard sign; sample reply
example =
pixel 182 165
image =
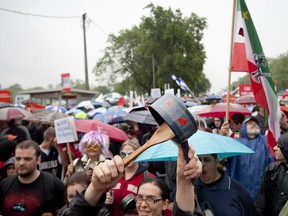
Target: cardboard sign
pixel 156 93
pixel 65 130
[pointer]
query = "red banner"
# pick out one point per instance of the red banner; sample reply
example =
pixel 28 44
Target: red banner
pixel 5 96
pixel 245 89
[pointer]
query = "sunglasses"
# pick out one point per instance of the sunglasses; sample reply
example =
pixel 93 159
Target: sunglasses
pixel 125 154
pixel 92 147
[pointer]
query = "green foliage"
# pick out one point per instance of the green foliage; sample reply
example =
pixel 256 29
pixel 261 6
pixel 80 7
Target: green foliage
pixel 102 89
pixel 15 88
pixel 166 42
pixel 78 84
pixel 279 71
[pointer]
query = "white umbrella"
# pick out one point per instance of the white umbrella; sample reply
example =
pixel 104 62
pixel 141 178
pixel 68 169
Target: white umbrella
pixel 9 113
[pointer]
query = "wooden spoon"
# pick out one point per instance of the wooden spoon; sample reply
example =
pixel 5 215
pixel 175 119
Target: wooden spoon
pixel 163 133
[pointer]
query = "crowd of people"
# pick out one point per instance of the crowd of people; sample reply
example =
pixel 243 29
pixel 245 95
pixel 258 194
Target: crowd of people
pixel 39 178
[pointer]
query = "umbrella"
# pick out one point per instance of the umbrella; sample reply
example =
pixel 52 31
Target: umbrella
pixel 3 104
pixel 194 110
pixel 46 117
pixel 96 111
pixel 213 97
pixel 9 113
pixel 85 104
pixel 114 108
pixel 246 99
pixel 219 110
pixel 87 125
pixel 111 116
pixel 204 143
pixel 56 108
pixel 141 116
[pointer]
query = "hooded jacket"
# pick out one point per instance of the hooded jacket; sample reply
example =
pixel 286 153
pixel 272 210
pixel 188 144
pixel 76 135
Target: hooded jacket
pixel 268 202
pixel 248 169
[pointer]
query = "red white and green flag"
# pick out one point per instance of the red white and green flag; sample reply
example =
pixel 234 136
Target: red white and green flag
pixel 248 56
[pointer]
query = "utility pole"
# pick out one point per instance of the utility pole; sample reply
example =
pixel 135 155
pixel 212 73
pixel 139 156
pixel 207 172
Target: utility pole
pixel 85 53
pixel 153 71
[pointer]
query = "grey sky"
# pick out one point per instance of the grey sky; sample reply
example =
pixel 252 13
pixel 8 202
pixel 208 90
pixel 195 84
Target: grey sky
pixel 35 51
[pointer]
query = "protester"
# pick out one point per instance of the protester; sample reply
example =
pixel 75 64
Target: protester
pixel 273 194
pixel 94 146
pixel 79 182
pixel 218 123
pixel 30 192
pixel 107 174
pixel 248 169
pixel 21 132
pixel 233 127
pixel 53 159
pixel 219 193
pixel 283 123
pixel 133 175
pixel 8 169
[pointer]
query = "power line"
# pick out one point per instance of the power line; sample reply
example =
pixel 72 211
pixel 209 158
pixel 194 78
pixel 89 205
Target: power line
pixel 55 17
pixel 90 20
pixel 39 15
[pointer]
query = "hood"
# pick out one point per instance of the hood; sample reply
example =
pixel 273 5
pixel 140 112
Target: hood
pixel 283 145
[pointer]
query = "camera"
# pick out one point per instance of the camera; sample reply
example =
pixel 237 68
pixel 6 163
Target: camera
pixel 128 204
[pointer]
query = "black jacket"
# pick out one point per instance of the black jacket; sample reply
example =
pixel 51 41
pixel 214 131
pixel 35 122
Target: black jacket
pixel 273 177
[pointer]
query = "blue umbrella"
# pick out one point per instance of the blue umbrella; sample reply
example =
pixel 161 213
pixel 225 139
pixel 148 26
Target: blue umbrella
pixel 111 116
pixel 56 108
pixel 204 143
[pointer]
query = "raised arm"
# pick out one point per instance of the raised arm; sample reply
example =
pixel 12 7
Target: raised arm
pixel 184 187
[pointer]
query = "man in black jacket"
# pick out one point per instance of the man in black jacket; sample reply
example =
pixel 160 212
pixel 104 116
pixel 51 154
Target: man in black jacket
pixel 274 189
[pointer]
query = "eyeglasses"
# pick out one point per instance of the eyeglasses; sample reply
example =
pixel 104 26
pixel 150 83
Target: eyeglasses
pixel 149 200
pixel 125 154
pixel 92 147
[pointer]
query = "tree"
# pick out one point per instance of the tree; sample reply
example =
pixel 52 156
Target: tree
pixel 279 67
pixel 164 42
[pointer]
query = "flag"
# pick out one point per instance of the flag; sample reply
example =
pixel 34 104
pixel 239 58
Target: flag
pixel 181 83
pixel 66 82
pixel 248 56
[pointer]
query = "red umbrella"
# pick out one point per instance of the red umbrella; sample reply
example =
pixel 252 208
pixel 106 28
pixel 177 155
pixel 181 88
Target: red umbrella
pixel 9 113
pixel 246 99
pixel 219 110
pixel 86 125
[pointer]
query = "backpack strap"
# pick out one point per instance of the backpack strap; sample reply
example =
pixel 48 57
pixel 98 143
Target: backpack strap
pixel 49 188
pixel 8 183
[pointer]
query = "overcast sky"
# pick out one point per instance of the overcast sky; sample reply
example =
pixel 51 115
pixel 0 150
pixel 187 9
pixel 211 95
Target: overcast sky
pixel 35 51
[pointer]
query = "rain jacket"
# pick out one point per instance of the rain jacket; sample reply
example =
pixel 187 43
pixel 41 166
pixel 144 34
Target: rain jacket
pixel 265 203
pixel 248 169
pixel 274 190
pixel 225 197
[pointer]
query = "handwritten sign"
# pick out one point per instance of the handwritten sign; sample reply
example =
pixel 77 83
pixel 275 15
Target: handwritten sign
pixel 65 130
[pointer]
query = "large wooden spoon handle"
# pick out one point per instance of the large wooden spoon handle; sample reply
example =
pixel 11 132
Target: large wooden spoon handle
pixel 136 153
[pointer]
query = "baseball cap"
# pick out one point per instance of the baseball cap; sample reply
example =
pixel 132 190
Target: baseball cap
pixel 251 118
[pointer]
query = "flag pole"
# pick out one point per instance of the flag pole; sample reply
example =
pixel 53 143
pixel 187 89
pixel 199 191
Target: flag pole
pixel 230 61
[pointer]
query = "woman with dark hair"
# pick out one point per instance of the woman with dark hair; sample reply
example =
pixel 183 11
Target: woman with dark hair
pixel 152 197
pixel 77 183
